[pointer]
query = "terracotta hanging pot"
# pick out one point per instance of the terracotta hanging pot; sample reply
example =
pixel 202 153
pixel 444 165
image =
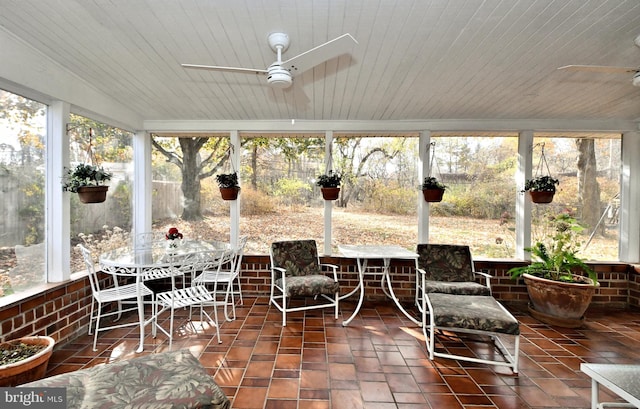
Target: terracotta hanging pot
pixel 330 193
pixel 541 196
pixel 29 369
pixel 92 194
pixel 229 193
pixel 433 195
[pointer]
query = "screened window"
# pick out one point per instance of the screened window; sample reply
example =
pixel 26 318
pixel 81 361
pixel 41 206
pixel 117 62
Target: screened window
pixel 107 225
pixel 588 170
pixel 479 204
pixel 22 203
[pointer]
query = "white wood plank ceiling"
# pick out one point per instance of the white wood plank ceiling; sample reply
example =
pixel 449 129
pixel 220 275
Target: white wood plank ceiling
pixel 416 60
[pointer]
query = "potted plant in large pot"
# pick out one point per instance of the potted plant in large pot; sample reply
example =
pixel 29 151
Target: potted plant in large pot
pixel 559 283
pixel 24 359
pixel 541 188
pixel 432 189
pixel 329 185
pixel 229 186
pixel 88 181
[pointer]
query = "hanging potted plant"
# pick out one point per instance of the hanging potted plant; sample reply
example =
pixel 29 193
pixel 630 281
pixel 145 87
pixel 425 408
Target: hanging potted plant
pixel 541 188
pixel 559 283
pixel 329 185
pixel 228 184
pixel 24 359
pixel 432 189
pixel 88 181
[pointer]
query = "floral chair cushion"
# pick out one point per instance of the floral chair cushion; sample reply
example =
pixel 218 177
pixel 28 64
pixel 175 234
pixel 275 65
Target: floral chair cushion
pixel 460 288
pixel 481 313
pixel 449 269
pixel 298 257
pixel 309 286
pixel 163 381
pixel 446 262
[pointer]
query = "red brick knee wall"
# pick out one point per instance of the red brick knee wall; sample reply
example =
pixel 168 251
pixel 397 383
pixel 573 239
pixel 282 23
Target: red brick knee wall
pixel 61 310
pixel 619 282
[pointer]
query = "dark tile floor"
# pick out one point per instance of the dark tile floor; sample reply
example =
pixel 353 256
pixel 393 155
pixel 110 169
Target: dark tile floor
pixel 378 361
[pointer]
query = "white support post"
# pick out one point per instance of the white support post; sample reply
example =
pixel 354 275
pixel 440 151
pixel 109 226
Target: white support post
pixel 629 245
pixel 328 204
pixel 57 208
pixel 234 213
pixel 142 183
pixel 424 143
pixel 523 204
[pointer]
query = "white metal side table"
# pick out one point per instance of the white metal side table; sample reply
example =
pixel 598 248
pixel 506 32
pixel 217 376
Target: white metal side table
pixel 623 380
pixel 364 253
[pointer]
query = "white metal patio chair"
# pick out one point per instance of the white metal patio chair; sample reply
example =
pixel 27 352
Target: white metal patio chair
pixel 103 294
pixel 177 298
pixel 228 276
pixel 296 271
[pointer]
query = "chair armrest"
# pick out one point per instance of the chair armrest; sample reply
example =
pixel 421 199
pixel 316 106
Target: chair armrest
pixel 332 267
pixel 482 273
pixel 487 277
pixel 421 271
pixel 275 271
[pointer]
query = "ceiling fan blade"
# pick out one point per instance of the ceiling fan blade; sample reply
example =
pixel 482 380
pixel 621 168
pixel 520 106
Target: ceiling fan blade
pixel 309 59
pixel 227 69
pixel 599 68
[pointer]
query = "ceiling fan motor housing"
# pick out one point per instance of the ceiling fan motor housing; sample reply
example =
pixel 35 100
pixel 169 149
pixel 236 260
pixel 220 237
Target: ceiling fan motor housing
pixel 279 77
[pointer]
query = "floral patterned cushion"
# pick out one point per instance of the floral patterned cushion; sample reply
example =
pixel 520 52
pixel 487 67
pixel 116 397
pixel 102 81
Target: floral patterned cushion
pixel 166 380
pixel 482 313
pixel 309 285
pixel 451 287
pixel 446 262
pixel 298 257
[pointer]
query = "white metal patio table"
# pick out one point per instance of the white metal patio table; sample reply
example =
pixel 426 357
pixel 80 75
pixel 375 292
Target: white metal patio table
pixel 623 380
pixel 364 253
pixel 135 262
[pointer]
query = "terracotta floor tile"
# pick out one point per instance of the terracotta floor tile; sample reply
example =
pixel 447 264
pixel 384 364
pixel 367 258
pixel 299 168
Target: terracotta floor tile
pixel 379 361
pixel 313 404
pixel 283 388
pixel 258 369
pixel 249 398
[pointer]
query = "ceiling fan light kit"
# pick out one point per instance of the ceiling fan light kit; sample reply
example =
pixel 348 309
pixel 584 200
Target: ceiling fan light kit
pixel 278 77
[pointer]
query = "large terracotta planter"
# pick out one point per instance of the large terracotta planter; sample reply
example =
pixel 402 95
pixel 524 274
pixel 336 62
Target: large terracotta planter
pixel 229 193
pixel 92 194
pixel 559 303
pixel 433 195
pixel 330 193
pixel 30 369
pixel 541 196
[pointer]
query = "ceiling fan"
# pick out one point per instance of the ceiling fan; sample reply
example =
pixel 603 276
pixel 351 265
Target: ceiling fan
pixel 635 80
pixel 280 73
